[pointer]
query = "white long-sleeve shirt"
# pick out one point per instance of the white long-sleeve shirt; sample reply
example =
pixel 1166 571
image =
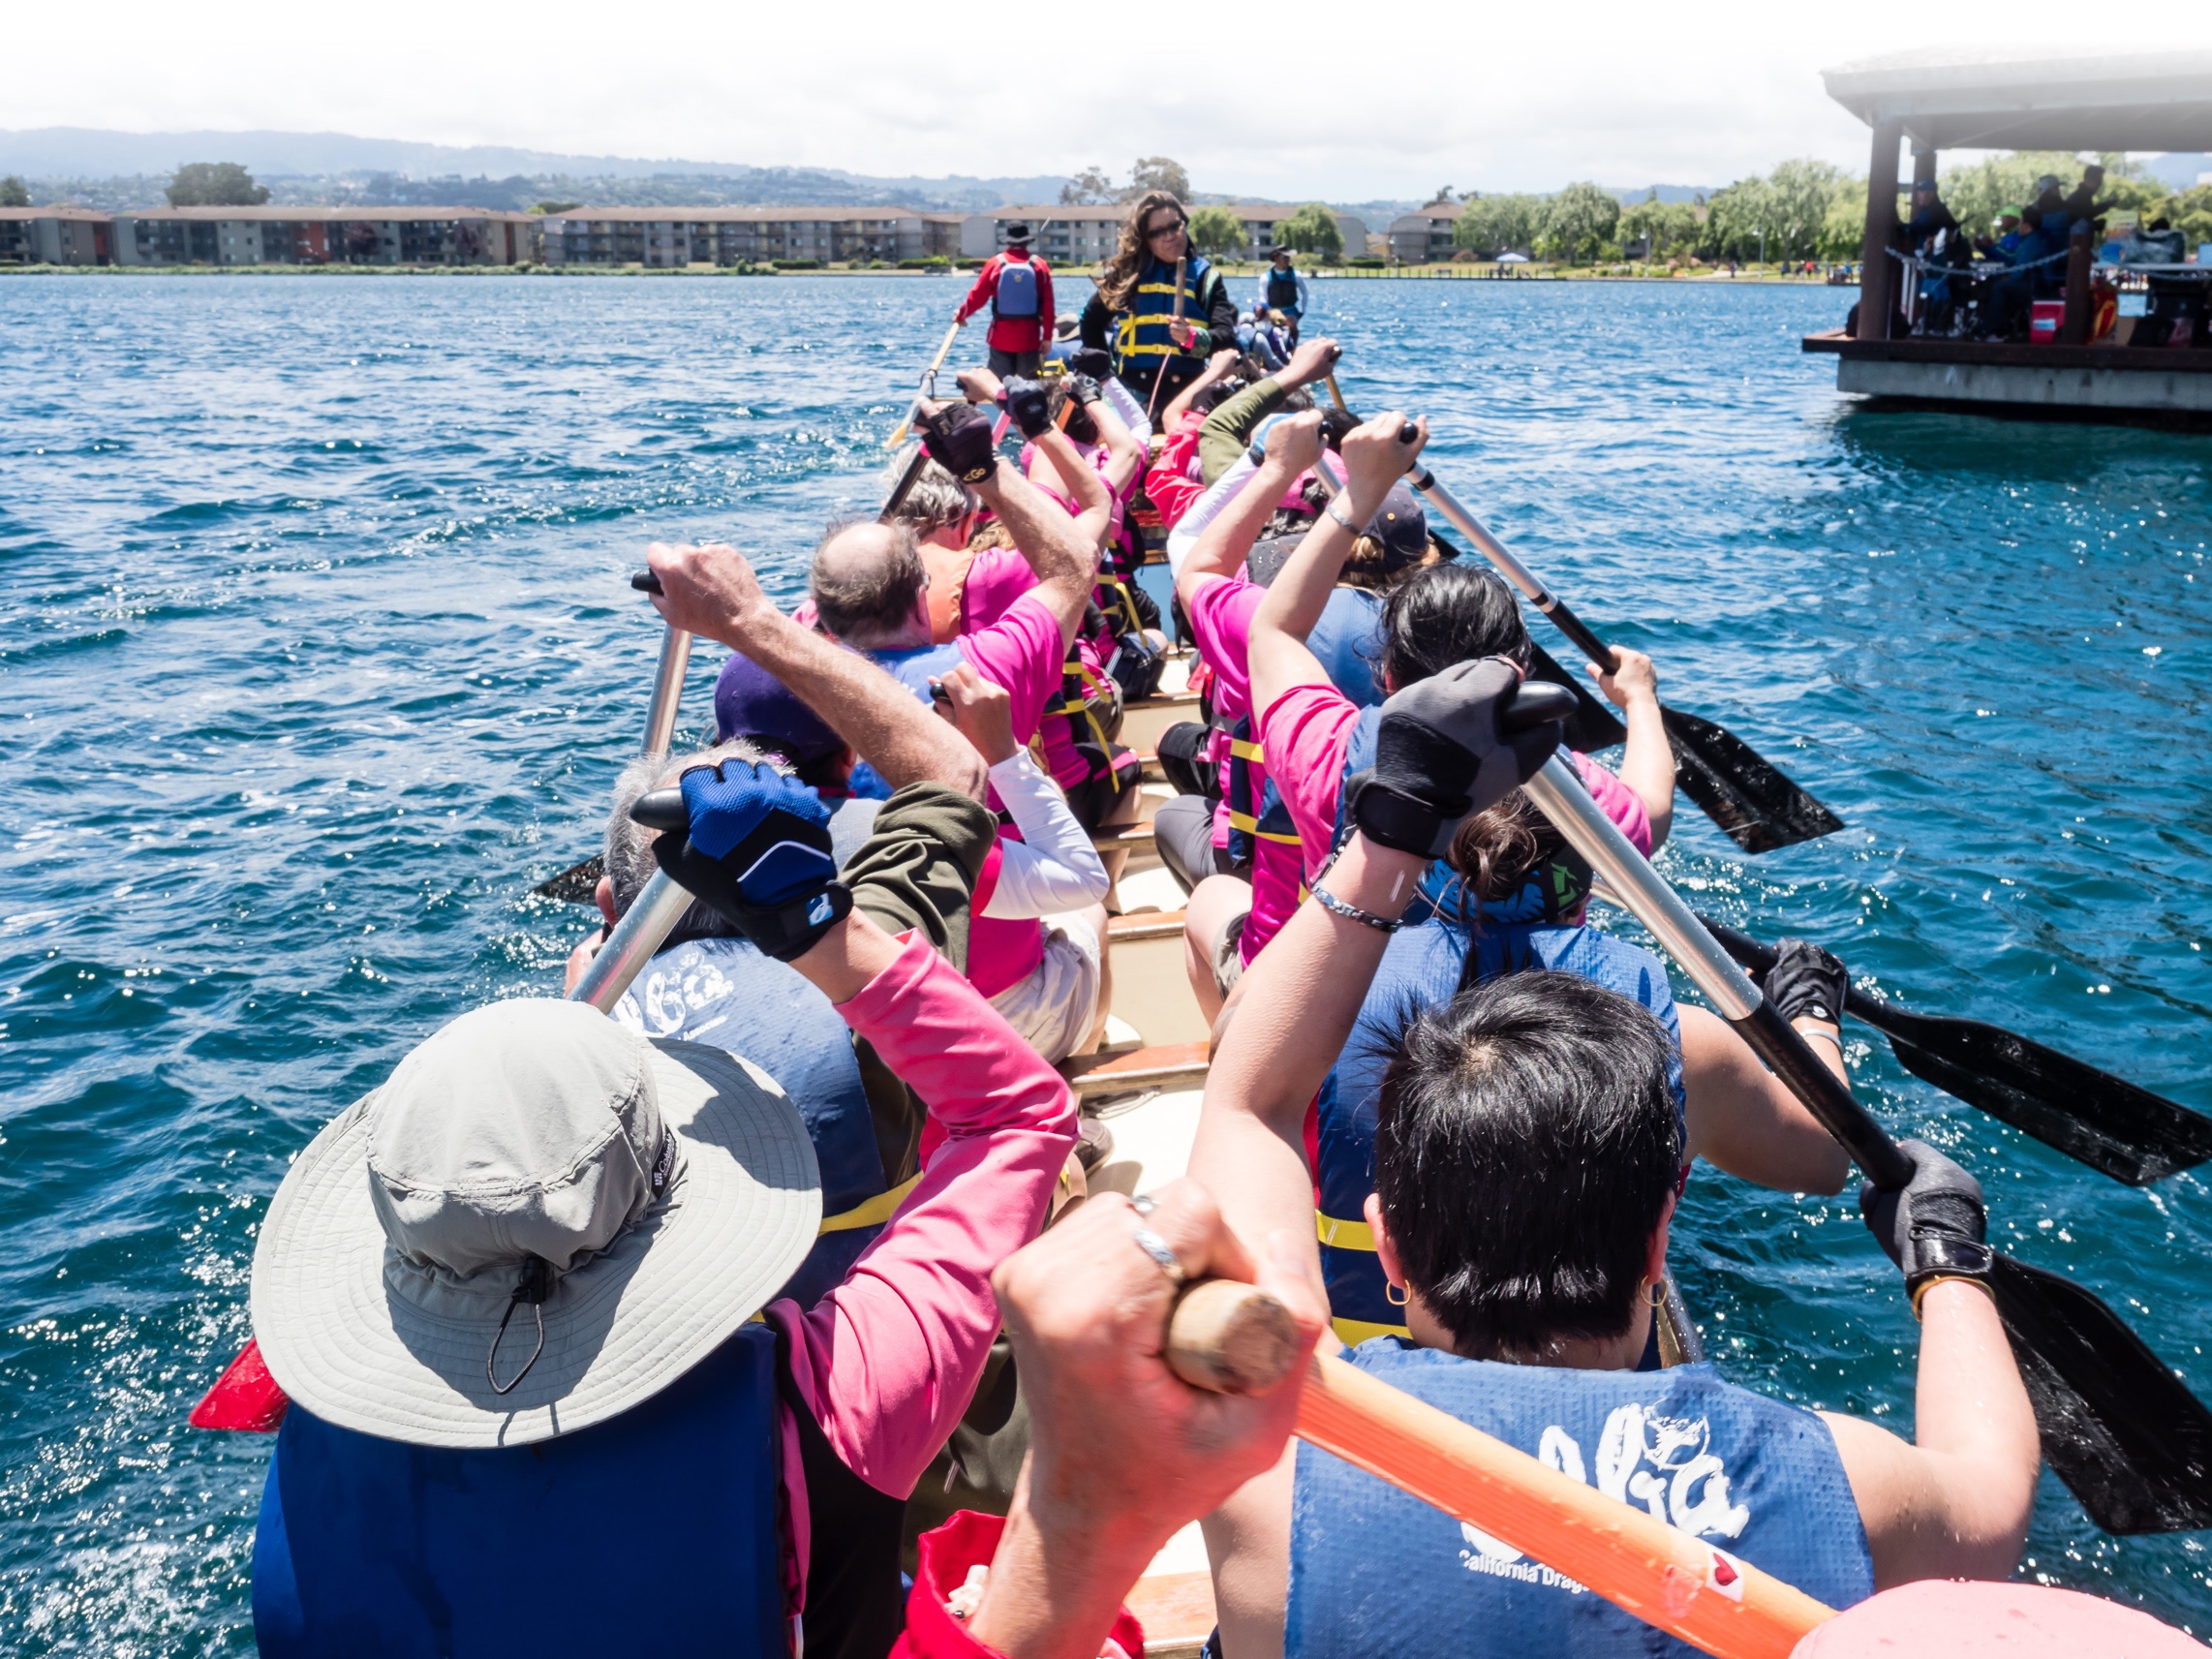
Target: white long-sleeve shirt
pixel 1053 867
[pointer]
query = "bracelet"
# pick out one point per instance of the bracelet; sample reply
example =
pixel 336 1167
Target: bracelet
pixel 1932 1280
pixel 1353 914
pixel 1337 512
pixel 1825 1036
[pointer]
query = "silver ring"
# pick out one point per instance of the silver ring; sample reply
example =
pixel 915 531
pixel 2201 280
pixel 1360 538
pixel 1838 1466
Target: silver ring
pixel 1156 1248
pixel 1143 1203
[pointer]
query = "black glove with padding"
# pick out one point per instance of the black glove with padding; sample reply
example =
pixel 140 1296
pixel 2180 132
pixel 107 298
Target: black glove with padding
pixel 958 438
pixel 1450 745
pixel 1807 980
pixel 1933 1226
pixel 1030 406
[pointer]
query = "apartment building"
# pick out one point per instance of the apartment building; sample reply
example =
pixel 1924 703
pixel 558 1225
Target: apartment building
pixel 269 235
pixel 1075 238
pixel 672 237
pixel 55 236
pixel 1424 235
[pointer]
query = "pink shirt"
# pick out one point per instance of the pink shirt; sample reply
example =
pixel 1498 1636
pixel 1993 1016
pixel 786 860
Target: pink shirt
pixel 1221 616
pixel 998 579
pixel 1306 732
pixel 887 1361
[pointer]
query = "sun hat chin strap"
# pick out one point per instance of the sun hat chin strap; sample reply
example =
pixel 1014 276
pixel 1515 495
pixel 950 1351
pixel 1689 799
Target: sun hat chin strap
pixel 531 1286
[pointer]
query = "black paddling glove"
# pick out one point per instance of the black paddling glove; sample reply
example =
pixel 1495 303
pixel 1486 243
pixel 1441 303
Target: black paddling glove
pixel 1807 980
pixel 1083 390
pixel 1030 406
pixel 1440 756
pixel 1092 360
pixel 1934 1226
pixel 958 438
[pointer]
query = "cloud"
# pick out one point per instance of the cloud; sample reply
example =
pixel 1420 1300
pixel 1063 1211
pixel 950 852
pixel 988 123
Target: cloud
pixel 1296 99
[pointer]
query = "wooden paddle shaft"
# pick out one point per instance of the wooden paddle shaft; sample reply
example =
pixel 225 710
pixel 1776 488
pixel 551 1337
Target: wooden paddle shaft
pixel 1667 1577
pixel 1335 396
pixel 928 376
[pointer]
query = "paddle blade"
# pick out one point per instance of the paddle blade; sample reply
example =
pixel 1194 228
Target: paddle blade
pixel 2123 1433
pixel 575 886
pixel 2105 1121
pixel 1761 809
pixel 1594 726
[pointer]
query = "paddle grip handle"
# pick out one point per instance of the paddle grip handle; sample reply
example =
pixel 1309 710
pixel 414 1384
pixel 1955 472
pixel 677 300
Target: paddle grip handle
pixel 646 582
pixel 1535 703
pixel 1232 1338
pixel 661 810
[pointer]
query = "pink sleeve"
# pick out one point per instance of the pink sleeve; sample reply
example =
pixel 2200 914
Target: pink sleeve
pixel 1022 653
pixel 1304 734
pixel 887 1361
pixel 1168 483
pixel 1221 618
pixel 1618 801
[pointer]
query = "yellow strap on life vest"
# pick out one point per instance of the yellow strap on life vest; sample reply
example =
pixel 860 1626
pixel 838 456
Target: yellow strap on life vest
pixel 872 1213
pixel 1353 1332
pixel 1344 1235
pixel 1243 748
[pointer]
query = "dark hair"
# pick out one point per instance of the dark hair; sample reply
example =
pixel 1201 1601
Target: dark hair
pixel 1497 848
pixel 1118 274
pixel 1448 613
pixel 868 598
pixel 1525 1146
pixel 1208 398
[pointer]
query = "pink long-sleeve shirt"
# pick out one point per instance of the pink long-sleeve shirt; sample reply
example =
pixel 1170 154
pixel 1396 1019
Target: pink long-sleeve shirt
pixel 887 1361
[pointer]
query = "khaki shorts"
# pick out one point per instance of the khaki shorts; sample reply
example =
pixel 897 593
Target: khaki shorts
pixel 1227 950
pixel 1053 1006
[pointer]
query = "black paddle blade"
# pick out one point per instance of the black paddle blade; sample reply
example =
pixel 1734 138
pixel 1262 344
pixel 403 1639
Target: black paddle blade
pixel 1761 809
pixel 2123 1433
pixel 2104 1122
pixel 1594 726
pixel 575 886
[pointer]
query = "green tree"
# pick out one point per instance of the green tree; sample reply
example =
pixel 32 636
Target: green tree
pixel 1738 218
pixel 1578 221
pixel 556 208
pixel 13 194
pixel 1218 231
pixel 1089 188
pixel 1670 226
pixel 1798 197
pixel 1312 230
pixel 1493 224
pixel 215 184
pixel 1157 173
pixel 1843 232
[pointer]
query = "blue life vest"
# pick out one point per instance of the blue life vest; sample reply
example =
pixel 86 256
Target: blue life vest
pixel 370 1548
pixel 1348 642
pixel 1423 968
pixel 723 992
pixel 1142 342
pixel 1016 295
pixel 1282 289
pixel 1374 1571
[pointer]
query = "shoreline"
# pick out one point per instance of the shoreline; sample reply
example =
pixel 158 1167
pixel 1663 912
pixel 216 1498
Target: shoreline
pixel 1410 273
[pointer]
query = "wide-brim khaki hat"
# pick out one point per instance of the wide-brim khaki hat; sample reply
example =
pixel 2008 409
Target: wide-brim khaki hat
pixel 737 1219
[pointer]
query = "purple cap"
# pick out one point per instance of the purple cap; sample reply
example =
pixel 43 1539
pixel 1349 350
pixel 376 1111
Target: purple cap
pixel 750 702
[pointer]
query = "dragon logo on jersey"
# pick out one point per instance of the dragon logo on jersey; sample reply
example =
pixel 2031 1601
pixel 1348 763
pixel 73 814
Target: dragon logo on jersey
pixel 1666 1463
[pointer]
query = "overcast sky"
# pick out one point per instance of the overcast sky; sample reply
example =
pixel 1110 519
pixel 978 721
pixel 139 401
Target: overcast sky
pixel 1282 98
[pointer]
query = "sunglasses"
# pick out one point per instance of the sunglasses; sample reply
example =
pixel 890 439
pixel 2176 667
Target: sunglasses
pixel 1159 230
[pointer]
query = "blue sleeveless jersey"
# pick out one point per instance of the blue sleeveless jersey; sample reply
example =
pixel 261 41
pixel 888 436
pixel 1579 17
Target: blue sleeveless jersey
pixel 723 992
pixel 1374 1571
pixel 369 1549
pixel 1348 642
pixel 913 668
pixel 1422 969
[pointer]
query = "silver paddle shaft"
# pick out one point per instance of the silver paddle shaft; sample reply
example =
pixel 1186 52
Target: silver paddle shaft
pixel 631 946
pixel 1560 796
pixel 667 692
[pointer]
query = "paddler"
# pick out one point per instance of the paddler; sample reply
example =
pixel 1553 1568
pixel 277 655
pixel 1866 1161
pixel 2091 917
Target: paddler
pixel 1159 307
pixel 1017 286
pixel 1526 1165
pixel 512 1293
pixel 1282 291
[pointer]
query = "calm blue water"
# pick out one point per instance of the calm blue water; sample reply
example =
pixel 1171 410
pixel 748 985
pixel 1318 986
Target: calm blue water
pixel 316 652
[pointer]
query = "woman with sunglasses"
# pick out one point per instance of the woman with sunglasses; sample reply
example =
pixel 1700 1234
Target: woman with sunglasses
pixel 1135 303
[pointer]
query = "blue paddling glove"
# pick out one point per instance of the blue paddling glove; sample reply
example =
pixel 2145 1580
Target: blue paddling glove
pixel 757 853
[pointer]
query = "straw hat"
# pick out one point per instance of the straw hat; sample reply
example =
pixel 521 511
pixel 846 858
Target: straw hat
pixel 533 1159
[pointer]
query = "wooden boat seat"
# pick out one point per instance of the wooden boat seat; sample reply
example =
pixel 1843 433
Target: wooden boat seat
pixel 1175 1065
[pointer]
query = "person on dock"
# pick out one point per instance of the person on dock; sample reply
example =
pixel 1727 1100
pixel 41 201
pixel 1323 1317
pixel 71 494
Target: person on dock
pixel 1016 285
pixel 1161 334
pixel 523 1276
pixel 1526 1163
pixel 1282 291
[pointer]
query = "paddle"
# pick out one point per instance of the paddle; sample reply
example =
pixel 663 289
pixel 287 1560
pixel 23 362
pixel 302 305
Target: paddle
pixel 579 883
pixel 1160 375
pixel 2123 1433
pixel 2105 1121
pixel 929 385
pixel 652 915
